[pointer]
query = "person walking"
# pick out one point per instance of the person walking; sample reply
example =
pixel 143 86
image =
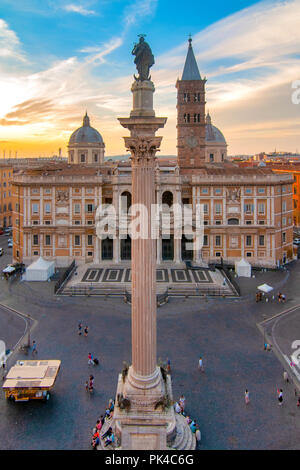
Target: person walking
pixel 80 329
pixel 182 403
pixel 285 376
pixel 200 364
pixel 34 350
pixel 90 359
pixel 247 399
pixel 168 365
pixel 280 397
pixel 86 330
pixel 91 383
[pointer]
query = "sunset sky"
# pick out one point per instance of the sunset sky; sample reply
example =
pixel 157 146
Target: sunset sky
pixel 59 58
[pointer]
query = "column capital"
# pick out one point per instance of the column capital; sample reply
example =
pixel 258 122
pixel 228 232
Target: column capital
pixel 143 149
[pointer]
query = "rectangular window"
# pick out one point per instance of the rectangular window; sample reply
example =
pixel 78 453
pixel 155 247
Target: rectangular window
pixel 47 240
pixel 218 240
pixel 205 240
pixel 89 208
pixel 284 206
pixel 35 208
pixel 261 190
pixel 90 240
pixel 77 208
pixel 261 240
pixel 47 222
pixel 283 237
pixel 204 190
pixel 248 240
pixel 218 191
pixel 35 239
pixel 218 208
pixel 47 191
pixel 77 240
pixel 205 208
pixel 261 208
pixel 248 208
pixel 248 190
pixel 47 208
pixel 218 222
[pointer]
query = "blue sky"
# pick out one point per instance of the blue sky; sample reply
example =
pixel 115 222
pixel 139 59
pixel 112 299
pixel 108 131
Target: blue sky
pixel 60 57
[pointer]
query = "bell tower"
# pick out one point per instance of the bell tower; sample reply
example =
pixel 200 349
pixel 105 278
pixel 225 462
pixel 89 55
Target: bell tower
pixel 190 115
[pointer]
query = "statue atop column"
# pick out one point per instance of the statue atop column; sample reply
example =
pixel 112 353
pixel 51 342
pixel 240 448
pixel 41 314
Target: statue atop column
pixel 144 59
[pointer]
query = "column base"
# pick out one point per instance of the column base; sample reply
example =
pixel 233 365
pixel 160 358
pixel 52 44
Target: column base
pixel 148 422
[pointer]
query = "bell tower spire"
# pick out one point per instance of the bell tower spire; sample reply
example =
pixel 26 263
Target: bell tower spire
pixel 190 114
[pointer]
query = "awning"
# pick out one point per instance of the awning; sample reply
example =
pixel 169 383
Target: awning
pixel 265 288
pixel 9 269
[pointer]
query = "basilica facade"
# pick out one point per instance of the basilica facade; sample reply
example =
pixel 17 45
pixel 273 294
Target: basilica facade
pixel 247 212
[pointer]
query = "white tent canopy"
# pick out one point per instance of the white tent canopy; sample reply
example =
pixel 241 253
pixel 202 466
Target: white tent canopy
pixel 40 270
pixel 243 268
pixel 265 288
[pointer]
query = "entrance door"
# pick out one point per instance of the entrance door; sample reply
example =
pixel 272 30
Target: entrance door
pixel 107 248
pixel 126 248
pixel 167 248
pixel 185 253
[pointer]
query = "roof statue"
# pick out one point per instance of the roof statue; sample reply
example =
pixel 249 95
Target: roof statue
pixel 144 58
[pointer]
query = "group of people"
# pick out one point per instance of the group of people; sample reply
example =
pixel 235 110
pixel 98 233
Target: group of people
pixel 279 392
pixel 281 297
pixel 108 436
pixel 85 331
pixel 89 384
pixel 180 409
pixel 92 360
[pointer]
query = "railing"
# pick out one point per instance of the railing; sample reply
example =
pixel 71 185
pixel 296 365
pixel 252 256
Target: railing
pixel 160 298
pixel 230 278
pixel 66 274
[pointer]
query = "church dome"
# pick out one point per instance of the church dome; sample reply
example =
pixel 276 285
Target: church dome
pixel 86 134
pixel 212 133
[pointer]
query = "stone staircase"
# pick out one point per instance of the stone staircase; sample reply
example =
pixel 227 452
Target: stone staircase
pixel 185 439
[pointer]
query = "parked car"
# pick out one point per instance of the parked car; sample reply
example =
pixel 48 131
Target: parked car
pixel 296 241
pixel 1 231
pixel 1 251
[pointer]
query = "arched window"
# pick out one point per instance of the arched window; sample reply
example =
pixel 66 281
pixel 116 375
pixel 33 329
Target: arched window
pixel 233 221
pixel 167 198
pixel 126 201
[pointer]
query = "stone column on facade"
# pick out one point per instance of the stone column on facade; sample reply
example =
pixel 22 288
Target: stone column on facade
pixel 116 249
pixel 97 251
